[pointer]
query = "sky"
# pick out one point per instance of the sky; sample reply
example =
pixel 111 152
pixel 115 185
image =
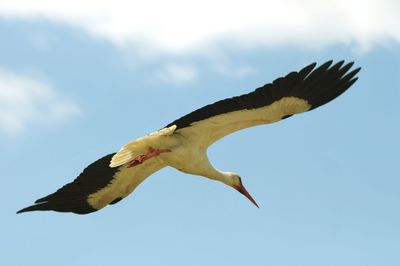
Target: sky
pixel 79 79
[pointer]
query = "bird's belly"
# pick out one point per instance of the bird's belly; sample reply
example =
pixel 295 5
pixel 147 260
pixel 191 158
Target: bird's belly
pixel 184 160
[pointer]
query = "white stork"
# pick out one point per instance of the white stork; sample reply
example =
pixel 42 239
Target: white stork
pixel 183 143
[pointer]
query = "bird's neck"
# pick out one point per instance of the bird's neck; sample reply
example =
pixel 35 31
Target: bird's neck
pixel 216 174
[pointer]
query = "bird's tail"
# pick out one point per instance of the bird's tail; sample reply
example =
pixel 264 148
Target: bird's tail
pixel 139 146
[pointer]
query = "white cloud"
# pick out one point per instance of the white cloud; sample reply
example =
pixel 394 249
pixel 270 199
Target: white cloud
pixel 177 26
pixel 234 72
pixel 25 101
pixel 178 74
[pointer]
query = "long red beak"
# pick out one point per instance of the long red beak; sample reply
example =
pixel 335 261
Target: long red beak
pixel 243 190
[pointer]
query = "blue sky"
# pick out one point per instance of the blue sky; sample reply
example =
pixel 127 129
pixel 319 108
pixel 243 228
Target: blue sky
pixel 78 82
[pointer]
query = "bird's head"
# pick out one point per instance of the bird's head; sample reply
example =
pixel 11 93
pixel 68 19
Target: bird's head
pixel 235 181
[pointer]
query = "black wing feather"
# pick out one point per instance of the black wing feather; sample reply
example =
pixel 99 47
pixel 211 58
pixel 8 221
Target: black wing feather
pixel 73 196
pixel 316 86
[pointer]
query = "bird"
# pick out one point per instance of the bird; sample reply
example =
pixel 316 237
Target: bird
pixel 183 143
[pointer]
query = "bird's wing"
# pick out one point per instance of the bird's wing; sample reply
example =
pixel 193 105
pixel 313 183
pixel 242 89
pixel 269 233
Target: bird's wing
pixel 96 187
pixel 293 94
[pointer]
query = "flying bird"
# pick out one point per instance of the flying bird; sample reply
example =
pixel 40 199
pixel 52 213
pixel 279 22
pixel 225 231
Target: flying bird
pixel 183 143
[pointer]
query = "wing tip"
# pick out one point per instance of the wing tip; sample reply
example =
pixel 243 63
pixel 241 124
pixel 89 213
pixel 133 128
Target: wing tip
pixel 35 207
pixel 350 75
pixel 326 65
pixel 72 197
pixel 312 65
pixel 21 211
pixel 58 207
pixel 356 70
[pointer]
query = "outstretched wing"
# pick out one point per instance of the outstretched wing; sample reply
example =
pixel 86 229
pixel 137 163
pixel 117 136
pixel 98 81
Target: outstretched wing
pixel 293 94
pixel 96 187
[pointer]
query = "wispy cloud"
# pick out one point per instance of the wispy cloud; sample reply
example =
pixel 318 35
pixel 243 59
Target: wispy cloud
pixel 25 101
pixel 228 70
pixel 178 74
pixel 177 26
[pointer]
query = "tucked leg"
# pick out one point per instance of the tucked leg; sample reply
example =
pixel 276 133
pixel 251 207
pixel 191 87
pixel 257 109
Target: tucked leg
pixel 144 157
